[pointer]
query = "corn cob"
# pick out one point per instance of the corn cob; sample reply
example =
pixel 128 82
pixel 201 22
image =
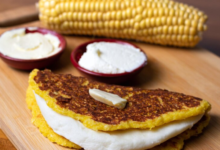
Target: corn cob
pixel 162 22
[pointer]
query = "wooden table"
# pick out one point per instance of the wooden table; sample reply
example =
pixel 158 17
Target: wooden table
pixel 195 72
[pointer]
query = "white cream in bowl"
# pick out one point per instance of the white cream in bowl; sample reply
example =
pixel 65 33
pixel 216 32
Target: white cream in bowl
pixel 19 44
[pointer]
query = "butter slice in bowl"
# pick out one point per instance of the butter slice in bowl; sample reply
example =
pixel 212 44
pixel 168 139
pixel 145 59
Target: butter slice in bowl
pixel 31 47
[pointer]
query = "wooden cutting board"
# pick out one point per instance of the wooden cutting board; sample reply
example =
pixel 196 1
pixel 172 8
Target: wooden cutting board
pixel 190 71
pixel 18 16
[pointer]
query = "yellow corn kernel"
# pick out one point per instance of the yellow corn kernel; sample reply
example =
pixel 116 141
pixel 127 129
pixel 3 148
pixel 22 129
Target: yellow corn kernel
pixel 163 22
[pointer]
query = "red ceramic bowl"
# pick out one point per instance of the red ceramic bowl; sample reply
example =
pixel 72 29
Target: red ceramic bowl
pixel 29 64
pixel 103 77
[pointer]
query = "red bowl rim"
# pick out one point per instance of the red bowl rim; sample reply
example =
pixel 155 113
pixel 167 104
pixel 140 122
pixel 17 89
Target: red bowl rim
pixel 42 31
pixel 75 62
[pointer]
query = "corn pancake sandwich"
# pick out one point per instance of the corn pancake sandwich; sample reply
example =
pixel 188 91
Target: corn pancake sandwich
pixel 67 114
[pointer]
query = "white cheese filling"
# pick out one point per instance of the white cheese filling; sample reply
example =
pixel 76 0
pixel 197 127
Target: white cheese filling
pixel 18 44
pixel 107 57
pixel 133 139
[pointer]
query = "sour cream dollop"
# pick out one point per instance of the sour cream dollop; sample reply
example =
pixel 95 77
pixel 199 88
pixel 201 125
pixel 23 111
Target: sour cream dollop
pixel 18 44
pixel 108 57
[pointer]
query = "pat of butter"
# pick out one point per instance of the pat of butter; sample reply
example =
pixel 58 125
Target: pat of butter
pixel 19 44
pixel 108 98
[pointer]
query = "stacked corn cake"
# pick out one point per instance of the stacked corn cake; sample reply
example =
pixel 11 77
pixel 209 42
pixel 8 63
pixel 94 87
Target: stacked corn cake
pixel 146 110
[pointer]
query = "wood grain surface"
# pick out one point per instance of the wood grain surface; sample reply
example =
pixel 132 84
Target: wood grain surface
pixel 16 12
pixel 12 4
pixel 5 143
pixel 18 16
pixel 210 41
pixel 194 72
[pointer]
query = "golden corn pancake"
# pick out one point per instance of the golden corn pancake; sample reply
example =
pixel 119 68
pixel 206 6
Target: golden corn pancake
pixel 38 120
pixel 68 95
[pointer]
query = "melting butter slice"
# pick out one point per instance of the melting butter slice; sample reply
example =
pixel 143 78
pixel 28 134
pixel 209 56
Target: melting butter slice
pixel 108 98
